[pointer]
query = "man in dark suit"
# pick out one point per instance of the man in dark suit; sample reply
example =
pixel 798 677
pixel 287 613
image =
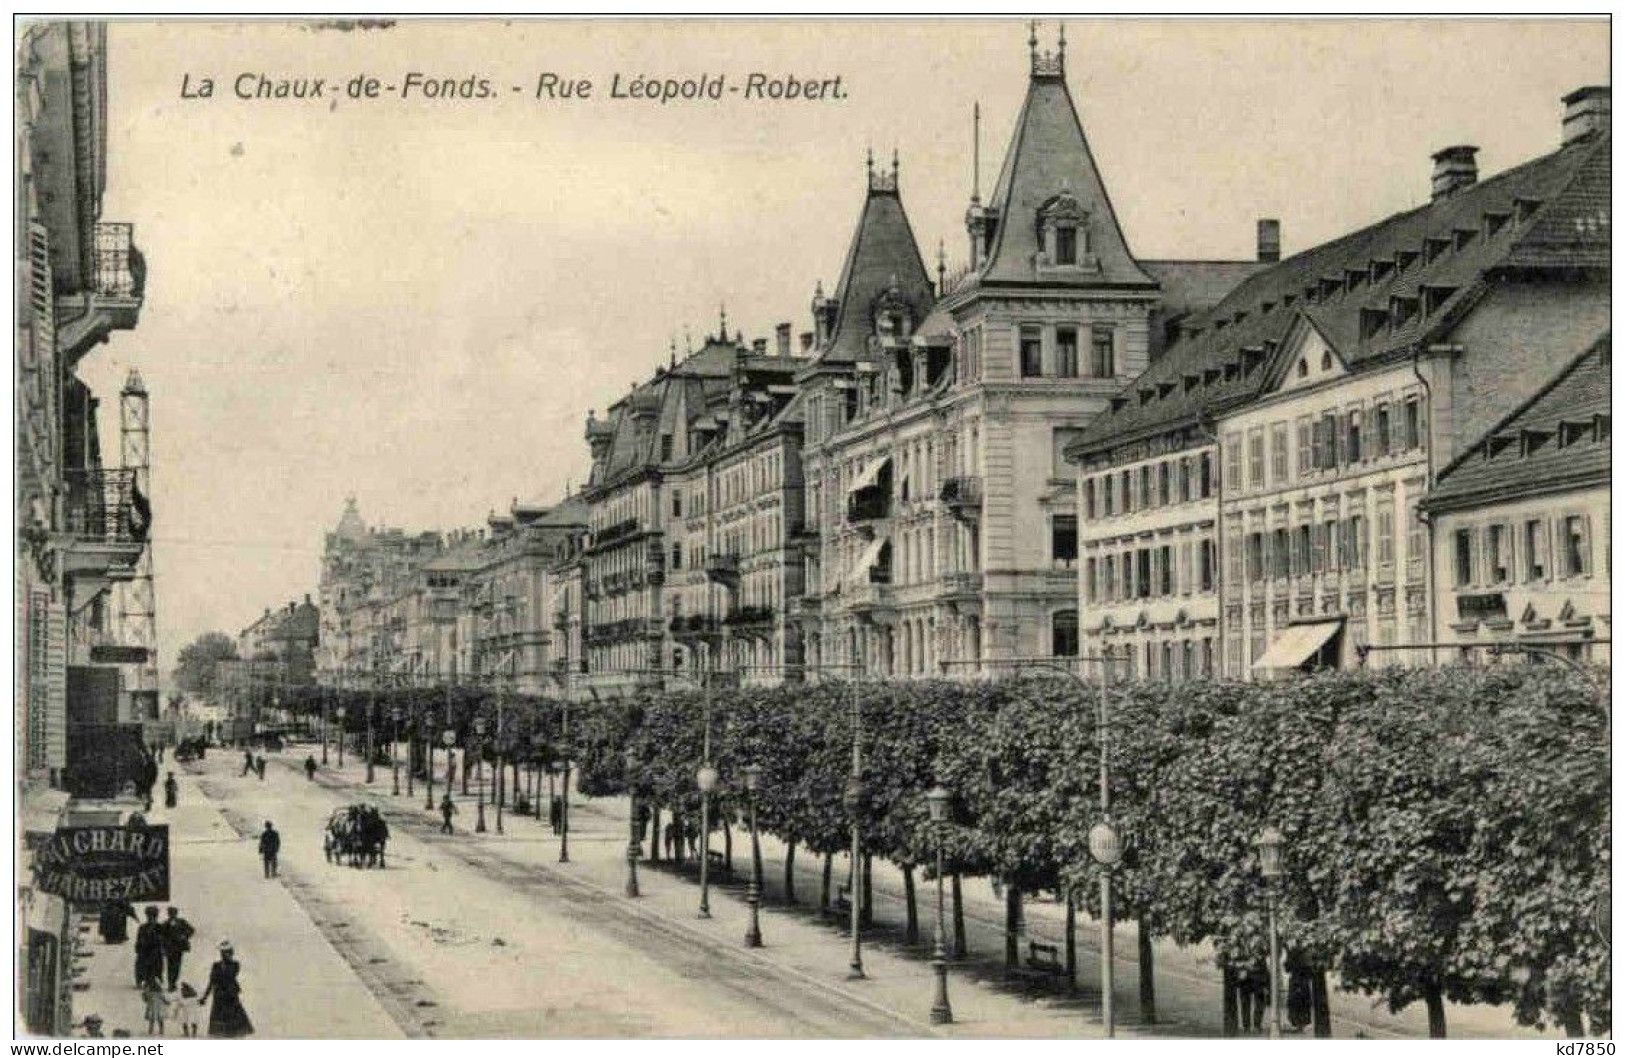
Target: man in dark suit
pixel 177 942
pixel 270 845
pixel 149 949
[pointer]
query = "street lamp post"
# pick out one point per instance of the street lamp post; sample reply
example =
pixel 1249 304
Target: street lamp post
pixel 706 780
pixel 1107 849
pixel 372 707
pixel 632 822
pixel 449 737
pixel 753 932
pixel 852 798
pixel 564 779
pixel 941 1013
pixel 479 779
pixel 340 714
pixel 500 760
pixel 325 697
pixel 1269 842
pixel 394 751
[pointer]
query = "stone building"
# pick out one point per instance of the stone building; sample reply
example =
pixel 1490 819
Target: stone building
pixel 1521 522
pixel 1326 391
pixel 507 593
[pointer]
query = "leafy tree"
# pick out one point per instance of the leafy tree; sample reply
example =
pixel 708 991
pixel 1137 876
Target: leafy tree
pixel 195 665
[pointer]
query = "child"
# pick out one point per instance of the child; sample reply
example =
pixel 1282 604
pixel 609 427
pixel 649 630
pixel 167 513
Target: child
pixel 186 1010
pixel 152 993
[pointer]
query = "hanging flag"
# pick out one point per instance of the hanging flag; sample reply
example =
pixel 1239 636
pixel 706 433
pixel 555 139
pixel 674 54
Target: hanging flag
pixel 140 511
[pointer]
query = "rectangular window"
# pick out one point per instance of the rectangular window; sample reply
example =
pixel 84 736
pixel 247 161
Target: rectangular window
pixel 665 448
pixel 1317 549
pixel 1207 475
pixel 1089 499
pixel 1032 352
pixel 1385 536
pixel 1165 578
pixel 1464 557
pixel 1130 500
pixel 1064 539
pixel 677 505
pixel 1278 454
pixel 1281 546
pixel 1328 441
pixel 1186 481
pixel 1148 488
pixel 677 556
pixel 1089 572
pixel 1301 554
pixel 1165 484
pixel 1352 449
pixel 1108 578
pixel 1108 495
pixel 1305 446
pixel 1383 441
pixel 1232 461
pixel 1576 545
pixel 1066 245
pixel 1205 556
pixel 1142 573
pixel 1358 541
pixel 1066 352
pixel 1411 427
pixel 1498 550
pixel 1537 550
pixel 1255 458
pixel 1255 556
pixel 1417 539
pixel 1102 351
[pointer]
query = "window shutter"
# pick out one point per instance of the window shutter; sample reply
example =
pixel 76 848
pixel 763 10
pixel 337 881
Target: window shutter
pixel 1585 550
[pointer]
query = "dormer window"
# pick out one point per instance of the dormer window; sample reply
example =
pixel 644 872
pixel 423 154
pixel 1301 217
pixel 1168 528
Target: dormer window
pixel 1063 233
pixel 1066 244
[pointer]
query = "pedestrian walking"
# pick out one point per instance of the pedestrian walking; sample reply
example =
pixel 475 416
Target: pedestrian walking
pixel 113 922
pixel 227 1018
pixel 248 761
pixel 149 949
pixel 172 791
pixel 186 1009
pixel 259 766
pixel 447 810
pixel 270 845
pixel 671 839
pixel 156 1005
pixel 310 769
pixel 177 942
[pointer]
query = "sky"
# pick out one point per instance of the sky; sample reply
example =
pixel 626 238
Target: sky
pixel 416 301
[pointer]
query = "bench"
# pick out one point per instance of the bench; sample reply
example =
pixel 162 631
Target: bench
pixel 1045 958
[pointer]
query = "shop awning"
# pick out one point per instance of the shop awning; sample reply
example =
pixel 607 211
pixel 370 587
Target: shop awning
pixel 867 560
pixel 870 476
pixel 1297 644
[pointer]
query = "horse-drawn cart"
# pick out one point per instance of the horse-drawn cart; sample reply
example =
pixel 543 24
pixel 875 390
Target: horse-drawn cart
pixel 356 835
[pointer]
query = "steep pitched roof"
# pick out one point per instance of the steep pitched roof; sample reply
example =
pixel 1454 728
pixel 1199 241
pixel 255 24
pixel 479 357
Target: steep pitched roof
pixel 883 256
pixel 1049 155
pixel 1560 437
pixel 1374 292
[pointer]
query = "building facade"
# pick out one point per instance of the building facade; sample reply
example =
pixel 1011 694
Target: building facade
pixel 1521 523
pixel 1326 391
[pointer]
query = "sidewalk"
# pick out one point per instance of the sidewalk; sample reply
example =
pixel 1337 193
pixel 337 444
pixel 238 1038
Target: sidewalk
pixel 986 1001
pixel 216 882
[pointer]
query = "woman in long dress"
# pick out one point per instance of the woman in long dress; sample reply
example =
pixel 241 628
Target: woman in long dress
pixel 227 1018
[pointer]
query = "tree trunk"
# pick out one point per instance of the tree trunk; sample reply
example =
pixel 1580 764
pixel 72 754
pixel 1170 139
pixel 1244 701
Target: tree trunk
pixel 1574 1026
pixel 727 849
pixel 790 873
pixel 654 833
pixel 960 947
pixel 1232 1023
pixel 911 927
pixel 1071 943
pixel 867 916
pixel 1012 925
pixel 682 836
pixel 1148 983
pixel 1321 1002
pixel 1435 1001
pixel 823 890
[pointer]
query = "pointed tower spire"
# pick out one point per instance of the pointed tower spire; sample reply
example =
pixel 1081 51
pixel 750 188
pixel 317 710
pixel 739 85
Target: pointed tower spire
pixel 942 268
pixel 722 328
pixel 674 351
pixel 976 153
pixel 894 166
pixel 1032 40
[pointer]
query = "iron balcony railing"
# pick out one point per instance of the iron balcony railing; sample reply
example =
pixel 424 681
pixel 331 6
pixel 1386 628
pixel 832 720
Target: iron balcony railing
pixel 104 506
pixel 116 265
pixel 962 491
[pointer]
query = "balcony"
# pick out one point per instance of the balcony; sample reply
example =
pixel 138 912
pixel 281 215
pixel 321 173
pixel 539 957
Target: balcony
pixel 112 299
pixel 870 599
pixel 963 497
pixel 956 586
pixel 612 533
pixel 723 569
pixel 105 520
pixel 654 563
pixel 694 626
pixel 868 506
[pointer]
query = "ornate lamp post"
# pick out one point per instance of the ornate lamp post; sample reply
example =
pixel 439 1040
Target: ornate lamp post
pixel 1269 842
pixel 706 780
pixel 449 738
pixel 564 787
pixel 852 799
pixel 394 751
pixel 753 897
pixel 936 802
pixel 324 726
pixel 500 762
pixel 1107 849
pixel 340 714
pixel 632 850
pixel 479 780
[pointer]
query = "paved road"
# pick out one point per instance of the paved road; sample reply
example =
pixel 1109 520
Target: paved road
pixel 458 942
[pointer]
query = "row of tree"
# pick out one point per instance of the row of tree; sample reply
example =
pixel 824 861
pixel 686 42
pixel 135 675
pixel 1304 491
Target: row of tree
pixel 1446 830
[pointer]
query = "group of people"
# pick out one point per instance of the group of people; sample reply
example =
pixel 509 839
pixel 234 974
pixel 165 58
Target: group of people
pixel 357 833
pixel 161 946
pixel 254 764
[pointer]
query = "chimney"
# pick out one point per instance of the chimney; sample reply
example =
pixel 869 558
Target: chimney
pixel 758 347
pixel 806 341
pixel 1453 169
pixel 782 335
pixel 1586 113
pixel 1269 239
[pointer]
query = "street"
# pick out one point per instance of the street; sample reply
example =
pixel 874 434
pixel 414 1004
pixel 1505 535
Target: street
pixel 487 935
